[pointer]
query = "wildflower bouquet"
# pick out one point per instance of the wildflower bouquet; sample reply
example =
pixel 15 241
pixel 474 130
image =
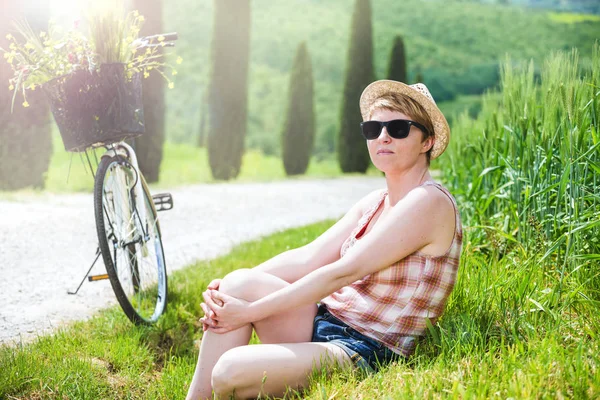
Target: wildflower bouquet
pixel 94 81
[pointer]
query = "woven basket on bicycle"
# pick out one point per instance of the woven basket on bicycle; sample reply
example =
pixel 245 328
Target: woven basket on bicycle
pixel 97 108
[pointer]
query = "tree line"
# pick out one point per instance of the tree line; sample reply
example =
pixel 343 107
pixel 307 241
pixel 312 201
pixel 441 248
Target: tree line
pixel 25 135
pixel 227 131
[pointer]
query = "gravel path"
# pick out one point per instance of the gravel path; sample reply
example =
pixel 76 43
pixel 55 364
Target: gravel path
pixel 47 242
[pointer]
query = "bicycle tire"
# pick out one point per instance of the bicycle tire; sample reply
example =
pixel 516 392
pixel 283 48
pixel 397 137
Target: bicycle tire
pixel 132 252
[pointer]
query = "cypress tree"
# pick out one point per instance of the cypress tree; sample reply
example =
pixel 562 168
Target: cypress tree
pixel 149 146
pixel 228 92
pixel 299 129
pixel 419 77
pixel 352 151
pixel 397 68
pixel 25 135
pixel 203 123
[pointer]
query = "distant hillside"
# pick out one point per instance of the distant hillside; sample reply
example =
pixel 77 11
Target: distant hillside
pixel 575 6
pixel 455 45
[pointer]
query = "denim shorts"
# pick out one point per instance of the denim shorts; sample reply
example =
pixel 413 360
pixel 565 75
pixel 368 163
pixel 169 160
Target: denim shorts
pixel 366 353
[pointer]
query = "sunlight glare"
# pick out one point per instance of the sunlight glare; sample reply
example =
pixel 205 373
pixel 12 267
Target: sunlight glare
pixel 77 9
pixel 67 9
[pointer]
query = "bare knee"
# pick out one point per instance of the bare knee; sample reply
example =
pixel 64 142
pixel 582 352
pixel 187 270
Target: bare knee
pixel 229 377
pixel 249 284
pixel 236 283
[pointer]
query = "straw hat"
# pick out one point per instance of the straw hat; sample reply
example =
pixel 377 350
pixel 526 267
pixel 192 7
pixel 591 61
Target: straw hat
pixel 421 95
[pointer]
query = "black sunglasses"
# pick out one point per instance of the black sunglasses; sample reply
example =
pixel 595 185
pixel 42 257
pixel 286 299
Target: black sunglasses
pixel 397 128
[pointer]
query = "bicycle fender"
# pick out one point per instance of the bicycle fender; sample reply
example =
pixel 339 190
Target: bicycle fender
pixel 119 151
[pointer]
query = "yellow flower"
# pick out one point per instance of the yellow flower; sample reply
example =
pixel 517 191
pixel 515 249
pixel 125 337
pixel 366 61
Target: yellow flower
pixel 11 87
pixel 96 117
pixel 28 45
pixel 171 85
pixel 42 34
pixel 141 18
pixel 25 104
pixel 9 36
pixel 136 13
pixel 146 74
pixel 161 38
pixel 32 87
pixel 174 72
pixel 179 60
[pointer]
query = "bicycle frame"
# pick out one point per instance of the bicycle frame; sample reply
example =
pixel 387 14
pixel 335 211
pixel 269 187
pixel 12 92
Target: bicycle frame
pixel 125 151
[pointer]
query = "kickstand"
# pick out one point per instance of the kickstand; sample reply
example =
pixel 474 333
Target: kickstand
pixel 87 273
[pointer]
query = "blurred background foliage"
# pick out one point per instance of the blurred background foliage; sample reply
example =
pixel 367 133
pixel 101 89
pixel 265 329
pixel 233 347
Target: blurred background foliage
pixel 456 46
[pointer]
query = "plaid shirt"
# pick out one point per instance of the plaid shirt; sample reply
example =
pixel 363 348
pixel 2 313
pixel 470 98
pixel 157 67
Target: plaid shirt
pixel 393 304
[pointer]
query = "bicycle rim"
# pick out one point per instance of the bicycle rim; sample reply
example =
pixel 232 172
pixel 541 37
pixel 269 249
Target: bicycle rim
pixel 130 241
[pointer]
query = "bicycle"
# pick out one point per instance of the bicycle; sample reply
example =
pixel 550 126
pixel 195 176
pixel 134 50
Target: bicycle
pixel 129 235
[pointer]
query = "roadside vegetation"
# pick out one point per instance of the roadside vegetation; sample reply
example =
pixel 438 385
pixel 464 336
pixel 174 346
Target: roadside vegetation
pixel 522 321
pixel 523 163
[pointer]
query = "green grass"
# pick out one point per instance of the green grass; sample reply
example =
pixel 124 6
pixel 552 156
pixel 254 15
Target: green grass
pixel 492 342
pixel 108 357
pixel 523 319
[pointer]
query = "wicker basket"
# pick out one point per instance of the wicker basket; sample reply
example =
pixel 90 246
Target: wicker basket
pixel 95 109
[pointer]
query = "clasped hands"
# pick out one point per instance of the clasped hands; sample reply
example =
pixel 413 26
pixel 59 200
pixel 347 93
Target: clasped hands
pixel 222 313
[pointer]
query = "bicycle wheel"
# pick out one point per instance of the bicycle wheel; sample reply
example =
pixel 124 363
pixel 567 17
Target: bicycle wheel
pixel 130 240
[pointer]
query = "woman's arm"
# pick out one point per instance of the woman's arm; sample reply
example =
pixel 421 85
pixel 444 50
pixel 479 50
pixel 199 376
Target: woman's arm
pixel 296 263
pixel 293 264
pixel 410 226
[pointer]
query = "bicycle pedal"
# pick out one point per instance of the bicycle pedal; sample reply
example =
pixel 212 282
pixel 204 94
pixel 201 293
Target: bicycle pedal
pixel 162 201
pixel 93 278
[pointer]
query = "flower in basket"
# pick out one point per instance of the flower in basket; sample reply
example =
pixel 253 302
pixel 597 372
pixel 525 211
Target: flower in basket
pixel 93 81
pixel 37 59
pixel 113 38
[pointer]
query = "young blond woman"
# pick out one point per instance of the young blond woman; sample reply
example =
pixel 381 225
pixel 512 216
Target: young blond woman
pixel 358 296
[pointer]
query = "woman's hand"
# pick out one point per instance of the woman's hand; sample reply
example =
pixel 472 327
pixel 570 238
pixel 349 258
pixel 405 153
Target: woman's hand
pixel 214 284
pixel 230 313
pixel 208 319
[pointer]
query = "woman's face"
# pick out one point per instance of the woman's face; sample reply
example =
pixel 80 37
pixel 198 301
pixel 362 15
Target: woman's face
pixel 396 155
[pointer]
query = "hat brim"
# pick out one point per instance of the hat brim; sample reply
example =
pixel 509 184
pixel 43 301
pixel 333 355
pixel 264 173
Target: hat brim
pixel 440 126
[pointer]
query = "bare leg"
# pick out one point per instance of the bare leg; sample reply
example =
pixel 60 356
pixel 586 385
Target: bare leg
pixel 290 326
pixel 269 369
pixel 213 345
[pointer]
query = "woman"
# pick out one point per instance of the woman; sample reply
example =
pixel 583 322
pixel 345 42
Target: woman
pixel 380 273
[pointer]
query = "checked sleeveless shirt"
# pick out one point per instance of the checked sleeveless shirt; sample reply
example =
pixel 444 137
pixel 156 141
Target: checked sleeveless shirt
pixel 392 305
